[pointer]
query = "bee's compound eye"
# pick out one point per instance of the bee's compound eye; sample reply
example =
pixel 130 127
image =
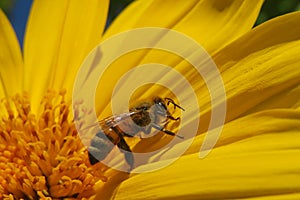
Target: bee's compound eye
pixel 162 105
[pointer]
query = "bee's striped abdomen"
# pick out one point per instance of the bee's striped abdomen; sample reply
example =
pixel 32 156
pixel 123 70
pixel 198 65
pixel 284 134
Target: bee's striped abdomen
pixel 99 148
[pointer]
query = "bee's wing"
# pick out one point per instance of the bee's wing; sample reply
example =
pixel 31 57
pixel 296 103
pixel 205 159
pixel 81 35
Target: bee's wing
pixel 111 121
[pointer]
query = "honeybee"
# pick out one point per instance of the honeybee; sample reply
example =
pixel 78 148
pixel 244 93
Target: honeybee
pixel 143 117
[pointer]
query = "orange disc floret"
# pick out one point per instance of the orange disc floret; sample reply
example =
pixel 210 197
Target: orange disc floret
pixel 41 156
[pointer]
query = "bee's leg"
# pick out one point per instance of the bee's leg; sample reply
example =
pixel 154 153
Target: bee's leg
pixel 173 118
pixel 128 155
pixel 147 130
pixel 158 127
pixel 127 135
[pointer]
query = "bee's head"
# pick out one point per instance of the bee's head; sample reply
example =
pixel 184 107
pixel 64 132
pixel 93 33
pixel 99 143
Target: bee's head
pixel 160 107
pixel 164 104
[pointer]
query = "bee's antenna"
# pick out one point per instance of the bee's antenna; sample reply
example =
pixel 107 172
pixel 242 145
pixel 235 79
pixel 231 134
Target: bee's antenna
pixel 169 100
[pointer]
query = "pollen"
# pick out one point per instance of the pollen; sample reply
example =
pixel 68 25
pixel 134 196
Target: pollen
pixel 41 155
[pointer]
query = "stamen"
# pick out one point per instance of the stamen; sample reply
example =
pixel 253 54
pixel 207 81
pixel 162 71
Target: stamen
pixel 42 157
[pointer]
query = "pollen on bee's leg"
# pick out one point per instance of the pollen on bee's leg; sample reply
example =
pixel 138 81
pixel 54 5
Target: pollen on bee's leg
pixel 41 155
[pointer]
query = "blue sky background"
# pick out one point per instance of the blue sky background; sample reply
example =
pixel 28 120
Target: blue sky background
pixel 18 16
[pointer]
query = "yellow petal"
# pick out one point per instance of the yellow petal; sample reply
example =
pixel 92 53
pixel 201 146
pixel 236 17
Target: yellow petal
pixel 11 64
pixel 288 98
pixel 269 51
pixel 266 164
pixel 234 176
pixel 213 23
pixel 261 124
pixel 260 70
pixel 273 32
pixel 58 37
pixel 262 76
pixel 292 196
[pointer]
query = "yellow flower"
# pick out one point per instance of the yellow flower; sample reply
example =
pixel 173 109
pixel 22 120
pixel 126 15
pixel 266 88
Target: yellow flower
pixel 257 154
pixel 40 151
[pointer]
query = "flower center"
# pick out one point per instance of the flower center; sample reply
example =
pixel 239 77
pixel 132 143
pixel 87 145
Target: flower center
pixel 42 155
